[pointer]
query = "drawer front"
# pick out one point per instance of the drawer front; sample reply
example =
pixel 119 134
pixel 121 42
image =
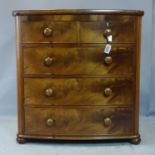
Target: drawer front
pixel 123 29
pixel 78 91
pixel 79 29
pixel 86 60
pixel 78 121
pixel 55 32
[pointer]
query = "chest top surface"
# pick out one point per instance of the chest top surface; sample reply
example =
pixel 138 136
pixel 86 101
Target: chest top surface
pixel 77 11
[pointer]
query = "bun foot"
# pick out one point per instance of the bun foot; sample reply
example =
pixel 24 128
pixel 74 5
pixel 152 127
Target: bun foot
pixel 21 140
pixel 135 140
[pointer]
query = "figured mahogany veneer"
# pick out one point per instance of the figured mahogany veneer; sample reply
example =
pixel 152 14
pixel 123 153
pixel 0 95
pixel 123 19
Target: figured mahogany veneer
pixel 86 60
pixel 61 32
pixel 79 121
pixel 74 31
pixel 79 91
pixel 68 88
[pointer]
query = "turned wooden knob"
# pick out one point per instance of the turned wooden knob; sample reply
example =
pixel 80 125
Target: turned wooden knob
pixel 108 91
pixel 47 31
pixel 50 122
pixel 107 121
pixel 108 60
pixel 49 92
pixel 48 61
pixel 107 32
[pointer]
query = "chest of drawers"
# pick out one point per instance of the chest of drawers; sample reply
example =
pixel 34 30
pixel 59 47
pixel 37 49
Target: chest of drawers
pixel 69 88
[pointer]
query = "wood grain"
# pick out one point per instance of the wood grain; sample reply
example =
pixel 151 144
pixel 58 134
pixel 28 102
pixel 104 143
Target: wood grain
pixel 75 18
pixel 62 32
pixel 81 121
pixel 65 29
pixel 77 11
pixel 19 60
pixel 123 30
pixel 137 86
pixel 80 91
pixel 88 60
pixel 71 92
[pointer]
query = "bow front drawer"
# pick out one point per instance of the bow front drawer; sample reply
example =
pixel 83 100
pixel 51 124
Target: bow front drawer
pixel 78 121
pixel 79 91
pixel 86 61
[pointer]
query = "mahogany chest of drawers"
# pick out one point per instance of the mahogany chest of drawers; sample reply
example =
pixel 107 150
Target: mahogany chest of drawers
pixel 78 74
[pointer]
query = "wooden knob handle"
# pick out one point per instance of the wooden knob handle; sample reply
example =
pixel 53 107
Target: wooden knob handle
pixel 108 91
pixel 107 32
pixel 107 121
pixel 47 31
pixel 108 60
pixel 50 122
pixel 48 61
pixel 49 92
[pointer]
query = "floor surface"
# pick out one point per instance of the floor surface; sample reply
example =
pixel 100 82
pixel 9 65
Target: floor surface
pixel 9 146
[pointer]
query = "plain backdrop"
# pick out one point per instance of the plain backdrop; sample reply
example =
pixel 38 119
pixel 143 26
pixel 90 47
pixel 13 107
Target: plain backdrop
pixel 8 88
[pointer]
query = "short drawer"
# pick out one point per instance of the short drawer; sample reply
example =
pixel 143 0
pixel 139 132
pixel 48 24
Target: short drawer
pixel 86 60
pixel 79 91
pixel 48 31
pixel 78 121
pixel 122 29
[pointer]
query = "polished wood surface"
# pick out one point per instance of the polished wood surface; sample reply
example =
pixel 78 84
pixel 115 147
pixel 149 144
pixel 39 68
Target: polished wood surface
pixel 120 26
pixel 76 31
pixel 68 88
pixel 79 91
pixel 79 121
pixel 61 32
pixel 88 60
pixel 77 11
pixel 79 19
pixel 19 61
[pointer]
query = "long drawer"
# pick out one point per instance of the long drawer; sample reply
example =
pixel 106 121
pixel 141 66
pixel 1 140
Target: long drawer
pixel 78 121
pixel 86 60
pixel 79 91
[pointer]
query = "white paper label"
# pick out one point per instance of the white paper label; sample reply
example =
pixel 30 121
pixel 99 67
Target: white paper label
pixel 107 48
pixel 109 38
